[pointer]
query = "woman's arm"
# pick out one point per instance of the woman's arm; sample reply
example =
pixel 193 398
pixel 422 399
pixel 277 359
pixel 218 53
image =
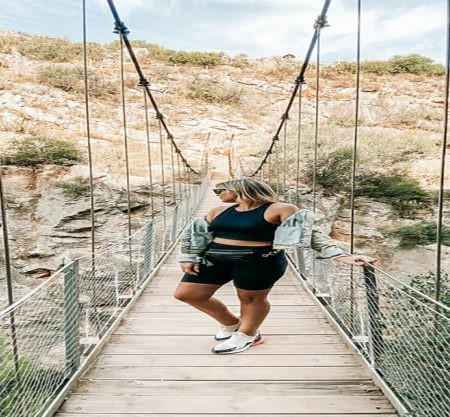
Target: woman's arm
pixel 321 243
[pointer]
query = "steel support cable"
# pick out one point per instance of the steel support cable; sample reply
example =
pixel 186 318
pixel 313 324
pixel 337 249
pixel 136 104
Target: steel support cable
pixel 122 29
pixel 180 190
pixel 93 283
pixel 285 160
pixel 125 131
pixel 354 159
pixel 277 162
pixel 443 165
pixel 320 23
pixel 149 156
pixel 299 137
pixel 163 180
pixel 316 124
pixel 8 270
pixel 88 130
pixel 172 162
pixel 356 131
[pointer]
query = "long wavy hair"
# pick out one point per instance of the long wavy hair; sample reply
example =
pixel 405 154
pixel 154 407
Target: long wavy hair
pixel 250 189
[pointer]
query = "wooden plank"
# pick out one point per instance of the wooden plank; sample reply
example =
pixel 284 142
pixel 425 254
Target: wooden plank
pixel 229 301
pixel 228 360
pixel 194 314
pixel 206 388
pixel 203 320
pixel 228 404
pixel 108 413
pixel 183 307
pixel 145 329
pixel 227 373
pixel 208 340
pixel 205 347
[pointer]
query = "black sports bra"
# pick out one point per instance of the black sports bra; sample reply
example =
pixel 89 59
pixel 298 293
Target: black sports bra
pixel 243 225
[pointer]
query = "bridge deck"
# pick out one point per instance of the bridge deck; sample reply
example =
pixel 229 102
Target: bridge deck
pixel 158 362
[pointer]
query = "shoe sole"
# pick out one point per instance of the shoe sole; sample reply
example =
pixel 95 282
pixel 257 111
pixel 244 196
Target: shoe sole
pixel 258 341
pixel 224 338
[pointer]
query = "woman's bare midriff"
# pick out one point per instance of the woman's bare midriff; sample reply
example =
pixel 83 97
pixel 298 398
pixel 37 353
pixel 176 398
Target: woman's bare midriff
pixel 240 242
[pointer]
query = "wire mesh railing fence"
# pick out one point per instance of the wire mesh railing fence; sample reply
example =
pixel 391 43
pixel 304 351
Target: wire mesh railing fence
pixel 403 334
pixel 47 336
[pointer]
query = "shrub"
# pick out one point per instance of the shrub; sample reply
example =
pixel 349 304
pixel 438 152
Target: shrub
pixel 411 64
pixel 78 187
pixel 213 92
pixel 71 79
pixel 421 234
pixel 32 151
pixel 333 171
pixel 404 194
pixel 45 48
pixel 159 53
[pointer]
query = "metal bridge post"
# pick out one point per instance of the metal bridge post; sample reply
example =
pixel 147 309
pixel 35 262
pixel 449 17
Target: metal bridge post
pixel 148 251
pixel 71 319
pixel 375 332
pixel 174 224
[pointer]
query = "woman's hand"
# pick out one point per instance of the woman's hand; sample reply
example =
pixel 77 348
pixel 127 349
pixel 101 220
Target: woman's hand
pixel 355 260
pixel 190 268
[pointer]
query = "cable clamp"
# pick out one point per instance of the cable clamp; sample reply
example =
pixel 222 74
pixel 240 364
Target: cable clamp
pixel 169 136
pixel 144 82
pixel 276 137
pixel 321 22
pixel 119 27
pixel 300 80
pixel 159 116
pixel 285 116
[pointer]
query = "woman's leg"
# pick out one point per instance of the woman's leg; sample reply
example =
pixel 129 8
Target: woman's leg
pixel 254 309
pixel 201 297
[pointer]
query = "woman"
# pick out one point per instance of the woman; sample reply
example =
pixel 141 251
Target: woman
pixel 243 243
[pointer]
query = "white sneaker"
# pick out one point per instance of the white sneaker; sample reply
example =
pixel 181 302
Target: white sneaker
pixel 225 332
pixel 238 342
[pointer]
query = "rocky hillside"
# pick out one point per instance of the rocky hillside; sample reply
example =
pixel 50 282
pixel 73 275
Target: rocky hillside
pixel 42 96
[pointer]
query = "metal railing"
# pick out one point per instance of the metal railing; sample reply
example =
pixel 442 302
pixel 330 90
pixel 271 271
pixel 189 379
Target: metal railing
pixel 402 334
pixel 48 335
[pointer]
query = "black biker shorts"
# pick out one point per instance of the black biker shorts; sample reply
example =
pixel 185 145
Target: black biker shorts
pixel 260 269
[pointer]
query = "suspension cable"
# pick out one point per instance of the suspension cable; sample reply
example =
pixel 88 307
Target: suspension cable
pixel 320 23
pixel 88 130
pixel 149 156
pixel 125 132
pixel 355 134
pixel 284 160
pixel 123 30
pixel 163 180
pixel 443 165
pixel 172 166
pixel 316 125
pixel 299 136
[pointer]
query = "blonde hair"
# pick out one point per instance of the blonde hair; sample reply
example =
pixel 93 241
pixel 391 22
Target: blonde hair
pixel 250 189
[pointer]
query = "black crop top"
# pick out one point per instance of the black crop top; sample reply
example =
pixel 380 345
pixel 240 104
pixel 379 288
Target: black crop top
pixel 243 225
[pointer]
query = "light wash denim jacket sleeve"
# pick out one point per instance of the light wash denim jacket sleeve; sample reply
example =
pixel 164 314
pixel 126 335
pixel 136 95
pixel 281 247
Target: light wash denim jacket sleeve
pixel 297 230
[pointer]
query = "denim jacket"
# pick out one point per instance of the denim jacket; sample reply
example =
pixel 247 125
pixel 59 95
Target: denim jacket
pixel 297 230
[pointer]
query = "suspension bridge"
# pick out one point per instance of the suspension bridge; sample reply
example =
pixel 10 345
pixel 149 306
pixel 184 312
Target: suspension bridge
pixel 104 335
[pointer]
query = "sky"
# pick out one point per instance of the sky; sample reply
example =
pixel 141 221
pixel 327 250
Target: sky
pixel 254 27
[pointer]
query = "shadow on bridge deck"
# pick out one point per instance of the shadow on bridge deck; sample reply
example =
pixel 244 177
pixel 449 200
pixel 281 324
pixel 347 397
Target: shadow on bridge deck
pixel 159 361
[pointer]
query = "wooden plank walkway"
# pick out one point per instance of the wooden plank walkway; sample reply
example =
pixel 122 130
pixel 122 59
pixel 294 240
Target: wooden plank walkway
pixel 159 362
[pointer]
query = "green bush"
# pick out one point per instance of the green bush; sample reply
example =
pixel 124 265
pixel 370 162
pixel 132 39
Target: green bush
pixel 71 79
pixel 414 64
pixel 213 92
pixel 404 194
pixel 333 172
pixel 33 151
pixel 411 64
pixel 159 53
pixel 421 234
pixel 78 187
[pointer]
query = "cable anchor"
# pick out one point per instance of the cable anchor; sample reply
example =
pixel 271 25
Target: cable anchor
pixel 119 27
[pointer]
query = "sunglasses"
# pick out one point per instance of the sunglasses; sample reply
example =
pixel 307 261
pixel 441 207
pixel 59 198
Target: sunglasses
pixel 217 191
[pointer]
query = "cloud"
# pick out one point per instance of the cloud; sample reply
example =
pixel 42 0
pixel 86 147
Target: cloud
pixel 168 8
pixel 286 26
